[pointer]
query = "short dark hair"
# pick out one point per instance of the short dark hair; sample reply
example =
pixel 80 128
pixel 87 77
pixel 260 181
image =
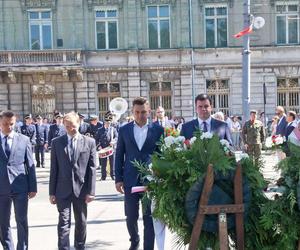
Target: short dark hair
pixel 292 114
pixel 7 114
pixel 139 101
pixel 203 97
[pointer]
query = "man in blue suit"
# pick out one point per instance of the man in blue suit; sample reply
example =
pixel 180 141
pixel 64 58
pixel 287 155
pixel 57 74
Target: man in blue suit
pixel 17 181
pixel 282 123
pixel 205 121
pixel 137 140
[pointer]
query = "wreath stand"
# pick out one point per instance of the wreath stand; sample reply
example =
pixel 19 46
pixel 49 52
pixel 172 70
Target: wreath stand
pixel 237 208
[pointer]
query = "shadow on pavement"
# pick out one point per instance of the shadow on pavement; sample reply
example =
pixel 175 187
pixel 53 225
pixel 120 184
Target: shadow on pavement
pixel 99 244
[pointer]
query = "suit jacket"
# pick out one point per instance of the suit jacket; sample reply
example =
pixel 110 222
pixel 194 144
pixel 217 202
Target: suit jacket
pixel 281 127
pixel 78 176
pixel 289 129
pixel 55 131
pixel 17 174
pixel 167 124
pixel 41 134
pixel 219 128
pixel 83 128
pixel 128 151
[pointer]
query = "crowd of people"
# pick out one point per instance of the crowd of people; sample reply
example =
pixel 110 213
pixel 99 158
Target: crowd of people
pixel 78 148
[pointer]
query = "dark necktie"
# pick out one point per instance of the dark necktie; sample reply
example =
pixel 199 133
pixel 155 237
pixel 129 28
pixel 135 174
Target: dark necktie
pixel 7 148
pixel 204 127
pixel 72 148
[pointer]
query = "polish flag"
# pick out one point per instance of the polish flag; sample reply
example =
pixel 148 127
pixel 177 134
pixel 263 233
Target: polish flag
pixel 245 31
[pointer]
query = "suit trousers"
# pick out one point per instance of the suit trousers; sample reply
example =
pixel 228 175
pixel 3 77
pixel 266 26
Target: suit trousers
pixel 20 203
pixel 39 151
pixel 103 163
pixel 64 222
pixel 132 215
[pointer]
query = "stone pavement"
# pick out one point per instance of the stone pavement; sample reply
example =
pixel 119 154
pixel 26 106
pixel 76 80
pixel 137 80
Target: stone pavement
pixel 106 221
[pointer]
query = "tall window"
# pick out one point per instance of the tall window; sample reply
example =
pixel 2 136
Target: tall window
pixel 40 28
pixel 161 95
pixel 216 26
pixel 159 26
pixel 107 29
pixel 107 92
pixel 288 90
pixel 287 19
pixel 218 90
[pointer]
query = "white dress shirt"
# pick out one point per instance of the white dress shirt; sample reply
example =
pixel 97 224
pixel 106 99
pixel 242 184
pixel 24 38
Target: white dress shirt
pixel 140 134
pixel 208 125
pixel 9 139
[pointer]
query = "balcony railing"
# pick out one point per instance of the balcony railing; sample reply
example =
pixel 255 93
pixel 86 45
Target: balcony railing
pixel 40 57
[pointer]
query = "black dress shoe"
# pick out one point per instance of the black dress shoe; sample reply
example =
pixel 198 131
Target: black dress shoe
pixel 43 166
pixel 134 246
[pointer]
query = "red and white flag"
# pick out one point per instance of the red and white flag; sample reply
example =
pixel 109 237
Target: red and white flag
pixel 245 31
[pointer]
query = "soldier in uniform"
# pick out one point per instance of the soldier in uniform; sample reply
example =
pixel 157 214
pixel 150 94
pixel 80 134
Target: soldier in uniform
pixel 107 137
pixel 95 124
pixel 83 127
pixel 41 140
pixel 253 135
pixel 56 129
pixel 28 129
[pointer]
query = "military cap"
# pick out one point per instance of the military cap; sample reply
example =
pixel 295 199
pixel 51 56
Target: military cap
pixel 93 117
pixel 38 117
pixel 108 117
pixel 28 116
pixel 58 115
pixel 253 111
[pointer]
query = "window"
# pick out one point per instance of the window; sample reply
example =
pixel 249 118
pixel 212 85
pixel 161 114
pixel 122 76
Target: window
pixel 216 26
pixel 107 92
pixel 159 26
pixel 288 90
pixel 218 91
pixel 161 95
pixel 40 28
pixel 287 19
pixel 107 29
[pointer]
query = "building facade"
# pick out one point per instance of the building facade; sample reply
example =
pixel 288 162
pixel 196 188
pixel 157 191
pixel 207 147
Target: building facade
pixel 79 54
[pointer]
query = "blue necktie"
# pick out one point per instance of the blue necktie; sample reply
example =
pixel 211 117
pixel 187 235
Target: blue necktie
pixel 7 148
pixel 204 127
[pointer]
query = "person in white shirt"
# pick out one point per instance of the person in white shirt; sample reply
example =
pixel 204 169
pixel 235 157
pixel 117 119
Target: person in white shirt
pixel 235 133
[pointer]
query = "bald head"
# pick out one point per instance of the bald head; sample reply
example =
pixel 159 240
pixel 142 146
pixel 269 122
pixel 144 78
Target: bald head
pixel 279 111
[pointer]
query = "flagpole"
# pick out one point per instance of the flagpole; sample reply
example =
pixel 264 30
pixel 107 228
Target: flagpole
pixel 246 64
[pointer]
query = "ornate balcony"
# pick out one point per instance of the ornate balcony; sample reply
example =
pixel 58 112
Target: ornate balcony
pixel 40 58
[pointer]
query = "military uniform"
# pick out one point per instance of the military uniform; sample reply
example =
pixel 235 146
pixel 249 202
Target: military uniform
pixel 104 138
pixel 93 129
pixel 55 131
pixel 83 128
pixel 29 131
pixel 253 134
pixel 41 140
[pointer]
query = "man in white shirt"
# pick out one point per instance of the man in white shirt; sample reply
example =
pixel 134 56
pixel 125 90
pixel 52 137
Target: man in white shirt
pixel 137 141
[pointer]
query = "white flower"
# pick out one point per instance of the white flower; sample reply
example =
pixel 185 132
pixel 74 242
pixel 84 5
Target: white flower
pixel 180 139
pixel 150 166
pixel 178 149
pixel 244 156
pixel 279 140
pixel 225 143
pixel 269 142
pixel 169 141
pixel 149 177
pixel 206 135
pixel 192 140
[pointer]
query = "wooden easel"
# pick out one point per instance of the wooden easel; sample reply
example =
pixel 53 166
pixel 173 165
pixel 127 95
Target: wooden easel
pixel 237 208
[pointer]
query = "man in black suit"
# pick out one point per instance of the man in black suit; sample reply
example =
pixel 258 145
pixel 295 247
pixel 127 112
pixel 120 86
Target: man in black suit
pixel 41 140
pixel 17 181
pixel 72 180
pixel 205 121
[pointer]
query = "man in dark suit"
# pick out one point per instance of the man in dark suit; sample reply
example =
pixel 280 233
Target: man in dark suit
pixel 106 137
pixel 41 140
pixel 17 181
pixel 136 141
pixel 72 180
pixel 205 121
pixel 291 123
pixel 57 129
pixel 28 129
pixel 282 123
